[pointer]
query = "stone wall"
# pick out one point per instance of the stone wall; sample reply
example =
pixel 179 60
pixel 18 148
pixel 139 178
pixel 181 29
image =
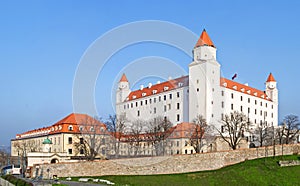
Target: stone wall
pixel 164 164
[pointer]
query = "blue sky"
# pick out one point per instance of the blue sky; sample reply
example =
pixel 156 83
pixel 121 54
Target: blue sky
pixel 42 42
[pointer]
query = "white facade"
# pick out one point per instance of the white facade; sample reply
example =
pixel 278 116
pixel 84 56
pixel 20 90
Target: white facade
pixel 202 92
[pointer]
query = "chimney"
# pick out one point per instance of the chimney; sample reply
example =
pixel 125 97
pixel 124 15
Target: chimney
pixel 142 87
pixel 150 85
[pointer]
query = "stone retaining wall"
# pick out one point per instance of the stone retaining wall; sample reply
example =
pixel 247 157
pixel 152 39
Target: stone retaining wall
pixel 164 164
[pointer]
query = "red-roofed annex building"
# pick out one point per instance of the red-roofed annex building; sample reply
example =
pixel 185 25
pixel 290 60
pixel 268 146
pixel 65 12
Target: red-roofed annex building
pixel 202 92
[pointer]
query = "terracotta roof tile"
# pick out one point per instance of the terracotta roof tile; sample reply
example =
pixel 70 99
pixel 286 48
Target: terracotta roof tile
pixel 243 89
pixel 159 88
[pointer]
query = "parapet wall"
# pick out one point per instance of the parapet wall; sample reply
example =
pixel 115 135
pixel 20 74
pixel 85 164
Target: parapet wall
pixel 163 164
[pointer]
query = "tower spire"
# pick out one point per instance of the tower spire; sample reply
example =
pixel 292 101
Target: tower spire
pixel 271 78
pixel 204 40
pixel 123 78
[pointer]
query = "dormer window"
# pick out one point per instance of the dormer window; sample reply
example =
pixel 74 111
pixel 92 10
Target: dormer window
pixel 144 94
pixel 70 128
pixel 180 84
pixel 248 91
pixel 92 129
pixel 225 84
pixel 81 128
pixel 243 90
pixel 255 93
pixel 234 87
pixel 154 91
pixel 133 97
pixel 166 88
pixel 262 96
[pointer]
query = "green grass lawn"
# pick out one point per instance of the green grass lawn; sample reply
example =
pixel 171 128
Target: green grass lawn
pixel 264 171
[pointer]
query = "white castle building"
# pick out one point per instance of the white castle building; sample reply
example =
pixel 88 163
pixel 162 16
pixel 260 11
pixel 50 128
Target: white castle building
pixel 202 92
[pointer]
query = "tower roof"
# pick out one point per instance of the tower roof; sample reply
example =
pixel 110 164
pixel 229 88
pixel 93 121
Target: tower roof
pixel 123 78
pixel 271 78
pixel 204 40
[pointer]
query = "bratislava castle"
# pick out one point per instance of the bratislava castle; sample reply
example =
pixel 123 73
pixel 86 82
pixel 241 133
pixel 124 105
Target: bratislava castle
pixel 202 92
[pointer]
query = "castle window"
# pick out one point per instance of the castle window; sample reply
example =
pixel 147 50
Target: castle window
pixel 266 105
pixel 241 108
pixel 159 98
pixel 178 106
pixel 170 95
pixel 222 116
pixel 150 101
pixel 146 101
pixel 255 112
pixel 222 93
pixel 261 112
pixel 154 100
pixel 248 100
pixel 197 81
pixel 241 98
pixel 255 102
pixel 165 97
pixel 81 151
pixel 131 105
pixel 231 106
pixel 231 95
pixel 124 107
pixel 255 121
pixel 222 104
pixel 197 89
pixel 272 106
pixel 138 113
pixel 70 128
pixel 81 140
pixel 70 151
pixel 272 115
pixel 70 140
pixel 141 103
pixel 154 110
pixel 178 94
pixel 261 103
pixel 178 117
pixel 136 104
pixel 248 110
pixel 169 105
pixel 165 108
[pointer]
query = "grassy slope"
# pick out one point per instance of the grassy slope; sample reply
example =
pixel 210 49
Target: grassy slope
pixel 253 172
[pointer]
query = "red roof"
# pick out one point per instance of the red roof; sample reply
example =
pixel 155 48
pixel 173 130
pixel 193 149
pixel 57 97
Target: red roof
pixel 271 78
pixel 243 88
pixel 204 40
pixel 123 78
pixel 75 120
pixel 158 88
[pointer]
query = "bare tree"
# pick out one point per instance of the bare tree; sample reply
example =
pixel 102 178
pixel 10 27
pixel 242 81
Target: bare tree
pixel 157 133
pixel 197 132
pixel 290 128
pixel 135 137
pixel 264 135
pixel 234 126
pixel 91 138
pixel 116 125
